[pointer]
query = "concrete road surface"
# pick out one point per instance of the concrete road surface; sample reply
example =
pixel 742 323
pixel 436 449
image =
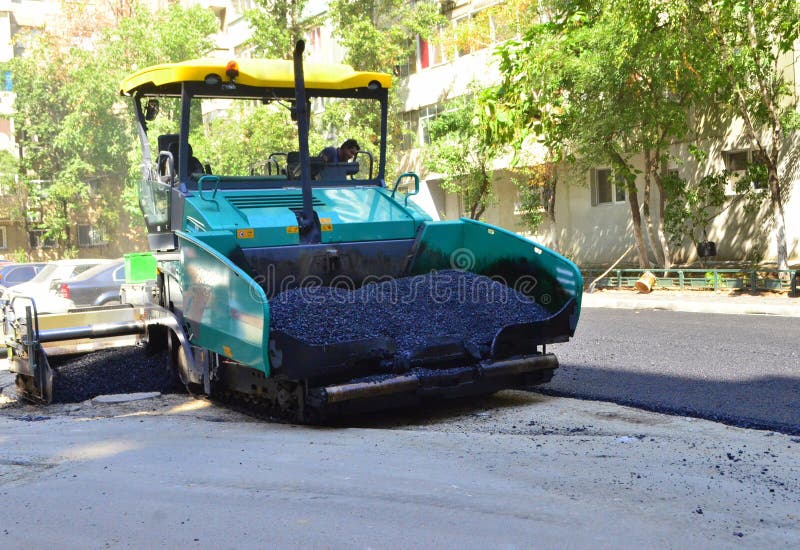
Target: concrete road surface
pixel 516 470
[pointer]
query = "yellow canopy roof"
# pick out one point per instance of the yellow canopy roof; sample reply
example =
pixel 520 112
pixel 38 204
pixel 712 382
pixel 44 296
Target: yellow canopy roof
pixel 271 73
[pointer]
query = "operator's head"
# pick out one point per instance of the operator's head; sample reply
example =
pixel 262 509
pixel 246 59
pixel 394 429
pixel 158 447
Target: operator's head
pixel 348 150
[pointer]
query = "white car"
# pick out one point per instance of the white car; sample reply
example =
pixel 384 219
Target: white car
pixel 38 288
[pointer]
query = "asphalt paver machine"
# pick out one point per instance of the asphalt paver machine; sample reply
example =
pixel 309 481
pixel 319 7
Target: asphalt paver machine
pixel 307 288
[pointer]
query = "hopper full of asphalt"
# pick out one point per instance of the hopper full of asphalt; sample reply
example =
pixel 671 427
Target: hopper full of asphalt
pixel 120 370
pixel 413 310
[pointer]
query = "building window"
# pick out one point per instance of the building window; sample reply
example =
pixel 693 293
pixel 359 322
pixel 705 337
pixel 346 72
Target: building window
pixel 315 45
pixel 737 163
pixel 89 235
pixel 426 114
pixel 463 31
pixel 409 124
pixel 606 188
pixel 3 237
pixel 241 6
pixel 38 240
pixel 431 52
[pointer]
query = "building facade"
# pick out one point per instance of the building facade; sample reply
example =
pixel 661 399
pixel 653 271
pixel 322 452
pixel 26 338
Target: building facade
pixel 593 224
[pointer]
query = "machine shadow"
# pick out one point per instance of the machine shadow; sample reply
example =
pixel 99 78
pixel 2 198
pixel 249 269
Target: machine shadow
pixel 767 403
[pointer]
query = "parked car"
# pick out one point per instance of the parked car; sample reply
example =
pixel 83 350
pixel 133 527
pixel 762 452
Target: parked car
pixel 15 274
pixel 98 286
pixel 38 287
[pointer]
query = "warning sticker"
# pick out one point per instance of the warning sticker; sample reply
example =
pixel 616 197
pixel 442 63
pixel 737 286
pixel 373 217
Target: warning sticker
pixel 245 233
pixel 292 229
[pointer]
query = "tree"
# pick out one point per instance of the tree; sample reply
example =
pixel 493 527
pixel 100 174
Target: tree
pixel 536 184
pixel 464 139
pixel 602 83
pixel 277 25
pixel 460 153
pixel 75 133
pixel 750 39
pixel 380 35
pixel 692 207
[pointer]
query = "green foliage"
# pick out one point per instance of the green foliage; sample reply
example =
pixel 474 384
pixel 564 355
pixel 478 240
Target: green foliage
pixel 750 41
pixel 750 37
pixel 531 205
pixel 8 171
pixel 20 256
pixel 604 83
pixel 536 187
pixel 692 206
pixel 459 152
pixel 234 143
pixel 379 34
pixel 277 26
pixel 74 130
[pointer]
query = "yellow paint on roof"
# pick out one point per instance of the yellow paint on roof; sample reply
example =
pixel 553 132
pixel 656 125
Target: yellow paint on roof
pixel 272 73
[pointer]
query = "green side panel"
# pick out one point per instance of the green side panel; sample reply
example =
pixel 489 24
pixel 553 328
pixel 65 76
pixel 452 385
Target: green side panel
pixel 535 270
pixel 223 242
pixel 225 309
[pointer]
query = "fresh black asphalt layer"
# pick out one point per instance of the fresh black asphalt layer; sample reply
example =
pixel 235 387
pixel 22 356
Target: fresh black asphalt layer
pixel 412 310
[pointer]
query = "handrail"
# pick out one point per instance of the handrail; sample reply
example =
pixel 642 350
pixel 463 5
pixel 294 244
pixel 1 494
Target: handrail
pixel 210 179
pixel 400 178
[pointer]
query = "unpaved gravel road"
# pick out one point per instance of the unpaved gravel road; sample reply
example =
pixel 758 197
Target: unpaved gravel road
pixel 516 470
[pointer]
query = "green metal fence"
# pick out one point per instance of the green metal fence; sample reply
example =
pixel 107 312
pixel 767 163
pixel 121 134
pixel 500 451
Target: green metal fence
pixel 701 279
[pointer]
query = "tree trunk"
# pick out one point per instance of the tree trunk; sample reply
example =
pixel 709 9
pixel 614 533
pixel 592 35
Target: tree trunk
pixel 633 199
pixel 667 253
pixel 478 207
pixel 550 209
pixel 655 242
pixel 641 247
pixel 777 217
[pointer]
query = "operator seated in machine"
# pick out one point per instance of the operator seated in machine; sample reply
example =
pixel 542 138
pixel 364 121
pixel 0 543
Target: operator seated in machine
pixel 195 166
pixel 345 153
pixel 338 162
pixel 169 143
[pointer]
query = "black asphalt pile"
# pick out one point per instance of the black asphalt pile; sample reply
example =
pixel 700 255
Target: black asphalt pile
pixel 412 310
pixel 112 371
